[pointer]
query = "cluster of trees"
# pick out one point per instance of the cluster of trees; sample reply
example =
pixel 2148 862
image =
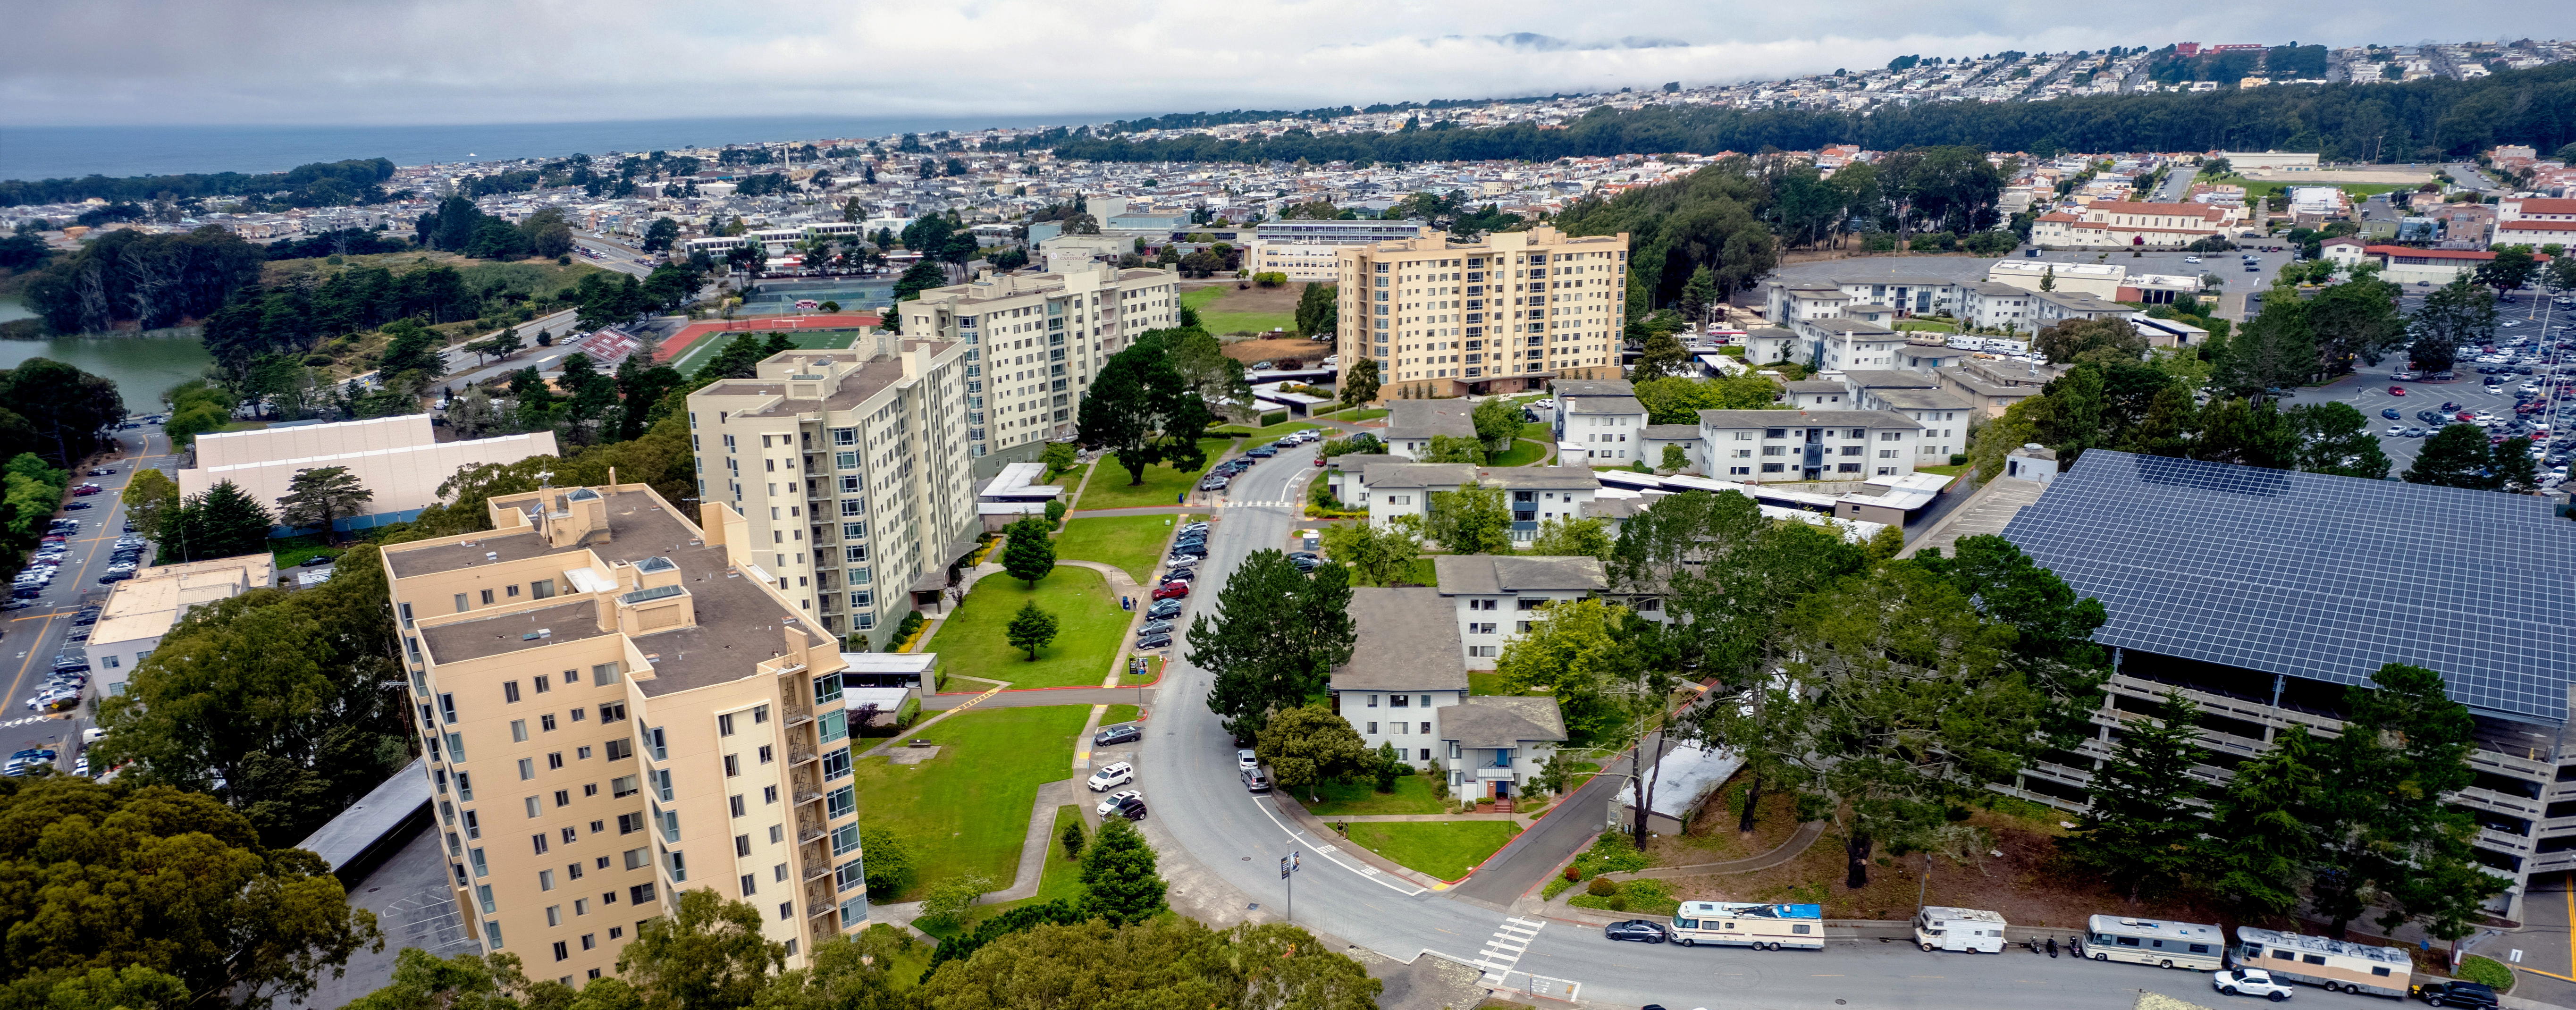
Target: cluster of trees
pixel 2413 121
pixel 152 281
pixel 222 521
pixel 30 491
pixel 457 227
pixel 2345 825
pixel 2110 399
pixel 290 318
pixel 320 184
pixel 584 406
pixel 56 411
pixel 1145 409
pixel 157 899
pixel 1273 639
pixel 1318 310
pixel 344 242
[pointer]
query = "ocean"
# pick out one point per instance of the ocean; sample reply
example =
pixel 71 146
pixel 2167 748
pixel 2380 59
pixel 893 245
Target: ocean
pixel 55 152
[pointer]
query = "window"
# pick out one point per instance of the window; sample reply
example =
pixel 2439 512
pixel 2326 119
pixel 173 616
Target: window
pixel 734 804
pixel 628 824
pixel 768 794
pixel 546 722
pixel 741 845
pixel 464 780
pixel 2312 959
pixel 639 894
pixel 845 839
pixel 615 712
pixel 750 883
pixel 604 673
pixel 481 868
pixel 836 764
pixel 840 802
pixel 623 786
pixel 460 603
pixel 661 784
pixel 777 833
pixel 654 743
pixel 724 725
pixel 533 806
pixel 527 769
pixel 545 880
pixel 518 731
pixel 637 859
pixel 483 894
pixel 539 841
pixel 767 754
pixel 850 875
pixel 554 760
pixel 834 725
pixel 554 917
pixel 732 765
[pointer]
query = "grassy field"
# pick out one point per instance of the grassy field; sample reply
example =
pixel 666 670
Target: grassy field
pixel 1443 849
pixel 704 348
pixel 292 551
pixel 1944 470
pixel 1090 626
pixel 1927 326
pixel 1266 434
pixel 1225 309
pixel 1061 878
pixel 1522 453
pixel 1118 714
pixel 967 810
pixel 524 276
pixel 1356 414
pixel 1132 543
pixel 1163 485
pixel 1412 795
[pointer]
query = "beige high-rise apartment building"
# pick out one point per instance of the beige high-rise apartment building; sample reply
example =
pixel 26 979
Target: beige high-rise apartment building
pixel 850 469
pixel 617 705
pixel 1033 344
pixel 1510 312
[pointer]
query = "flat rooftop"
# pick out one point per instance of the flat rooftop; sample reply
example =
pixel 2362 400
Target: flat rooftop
pixel 738 625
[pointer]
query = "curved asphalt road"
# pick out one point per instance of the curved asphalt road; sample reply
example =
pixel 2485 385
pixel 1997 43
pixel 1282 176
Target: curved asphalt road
pixel 1186 767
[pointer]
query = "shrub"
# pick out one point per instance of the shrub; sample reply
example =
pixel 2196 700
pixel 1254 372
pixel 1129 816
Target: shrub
pixel 2486 971
pixel 1958 459
pixel 1601 887
pixel 1571 873
pixel 1274 417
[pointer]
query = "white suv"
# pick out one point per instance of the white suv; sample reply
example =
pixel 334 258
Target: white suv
pixel 1113 776
pixel 2249 982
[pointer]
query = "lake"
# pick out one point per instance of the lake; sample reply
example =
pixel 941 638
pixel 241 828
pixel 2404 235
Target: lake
pixel 141 367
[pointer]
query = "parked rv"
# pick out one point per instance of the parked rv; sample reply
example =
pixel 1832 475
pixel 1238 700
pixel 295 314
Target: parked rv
pixel 2157 942
pixel 2335 965
pixel 1974 930
pixel 1759 926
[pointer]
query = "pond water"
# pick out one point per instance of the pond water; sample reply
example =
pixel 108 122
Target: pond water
pixel 142 367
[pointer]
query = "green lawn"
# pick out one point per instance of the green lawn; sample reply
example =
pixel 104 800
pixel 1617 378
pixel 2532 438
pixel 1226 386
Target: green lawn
pixel 1944 470
pixel 1522 453
pixel 1927 325
pixel 1266 434
pixel 1118 714
pixel 1132 543
pixel 1061 878
pixel 1355 415
pixel 1443 849
pixel 1649 896
pixel 1163 485
pixel 1412 795
pixel 291 551
pixel 967 810
pixel 909 959
pixel 1089 628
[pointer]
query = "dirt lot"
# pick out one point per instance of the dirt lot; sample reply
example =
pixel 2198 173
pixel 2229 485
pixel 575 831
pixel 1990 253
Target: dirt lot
pixel 1280 351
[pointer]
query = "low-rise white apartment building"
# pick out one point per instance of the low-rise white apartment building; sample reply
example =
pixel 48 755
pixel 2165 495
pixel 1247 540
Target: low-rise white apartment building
pixel 850 471
pixel 1792 445
pixel 1311 250
pixel 1412 424
pixel 140 610
pixel 1033 343
pixel 1534 494
pixel 1498 596
pixel 1405 687
pixel 1601 415
pixel 2124 224
pixel 1839 342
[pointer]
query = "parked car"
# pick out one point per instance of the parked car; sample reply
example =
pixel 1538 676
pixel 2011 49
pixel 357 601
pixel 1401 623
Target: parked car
pixel 1113 776
pixel 317 560
pixel 1264 452
pixel 1125 732
pixel 2396 390
pixel 1109 807
pixel 1156 625
pixel 104 471
pixel 1151 643
pixel 1256 780
pixel 2392 414
pixel 1640 930
pixel 2447 992
pixel 1131 808
pixel 1181 575
pixel 2249 982
pixel 1172 591
pixel 77 506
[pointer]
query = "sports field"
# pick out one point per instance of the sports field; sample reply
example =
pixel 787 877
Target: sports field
pixel 686 348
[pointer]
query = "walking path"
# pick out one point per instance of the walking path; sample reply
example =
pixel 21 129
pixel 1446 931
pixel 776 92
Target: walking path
pixel 1024 881
pixel 1036 697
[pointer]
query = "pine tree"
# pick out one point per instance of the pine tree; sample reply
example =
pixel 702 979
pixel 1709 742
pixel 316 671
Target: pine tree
pixel 223 522
pixel 320 496
pixel 1031 629
pixel 2255 854
pixel 2141 824
pixel 2456 456
pixel 1359 382
pixel 1118 876
pixel 1030 554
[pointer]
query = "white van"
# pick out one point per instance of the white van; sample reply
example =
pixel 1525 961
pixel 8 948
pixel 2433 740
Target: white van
pixel 1974 930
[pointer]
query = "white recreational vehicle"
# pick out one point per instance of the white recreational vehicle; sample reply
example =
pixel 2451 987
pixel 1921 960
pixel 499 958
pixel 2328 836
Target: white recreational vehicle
pixel 2157 942
pixel 2336 965
pixel 1975 930
pixel 1740 924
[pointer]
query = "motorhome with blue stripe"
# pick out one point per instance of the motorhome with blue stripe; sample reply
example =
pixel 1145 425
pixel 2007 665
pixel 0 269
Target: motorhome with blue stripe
pixel 2151 941
pixel 1742 924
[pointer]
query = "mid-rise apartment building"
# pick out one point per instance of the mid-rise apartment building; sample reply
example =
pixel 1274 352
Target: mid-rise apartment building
pixel 850 471
pixel 1033 343
pixel 1509 312
pixel 616 705
pixel 1309 250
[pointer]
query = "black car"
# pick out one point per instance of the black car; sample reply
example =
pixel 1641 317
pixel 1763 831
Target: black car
pixel 1132 808
pixel 2450 993
pixel 1265 452
pixel 1150 643
pixel 1641 930
pixel 1125 732
pixel 1306 565
pixel 316 560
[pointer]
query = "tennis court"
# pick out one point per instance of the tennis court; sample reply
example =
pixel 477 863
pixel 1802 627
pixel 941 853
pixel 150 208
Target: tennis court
pixel 686 349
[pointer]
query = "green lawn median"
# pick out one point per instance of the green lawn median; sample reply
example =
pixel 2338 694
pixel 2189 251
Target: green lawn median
pixel 1443 849
pixel 1412 795
pixel 1132 544
pixel 1163 485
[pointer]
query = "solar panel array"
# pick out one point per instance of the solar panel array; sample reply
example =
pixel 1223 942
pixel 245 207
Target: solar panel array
pixel 2315 576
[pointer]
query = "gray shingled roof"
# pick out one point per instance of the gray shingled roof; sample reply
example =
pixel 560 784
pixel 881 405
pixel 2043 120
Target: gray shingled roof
pixel 1671 432
pixel 1425 418
pixel 1879 378
pixel 1404 475
pixel 1487 721
pixel 1594 387
pixel 1604 405
pixel 1920 399
pixel 1815 386
pixel 1846 324
pixel 1494 574
pixel 1408 641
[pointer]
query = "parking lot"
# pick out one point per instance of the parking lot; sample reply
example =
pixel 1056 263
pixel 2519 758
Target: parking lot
pixel 50 624
pixel 2530 316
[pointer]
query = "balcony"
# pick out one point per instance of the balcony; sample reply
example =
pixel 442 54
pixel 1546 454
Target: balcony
pixel 804 783
pixel 798 753
pixel 820 898
pixel 2523 807
pixel 810 826
pixel 796 713
pixel 2503 842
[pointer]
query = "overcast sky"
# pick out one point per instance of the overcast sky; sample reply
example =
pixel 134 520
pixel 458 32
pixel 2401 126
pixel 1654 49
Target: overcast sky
pixel 479 61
